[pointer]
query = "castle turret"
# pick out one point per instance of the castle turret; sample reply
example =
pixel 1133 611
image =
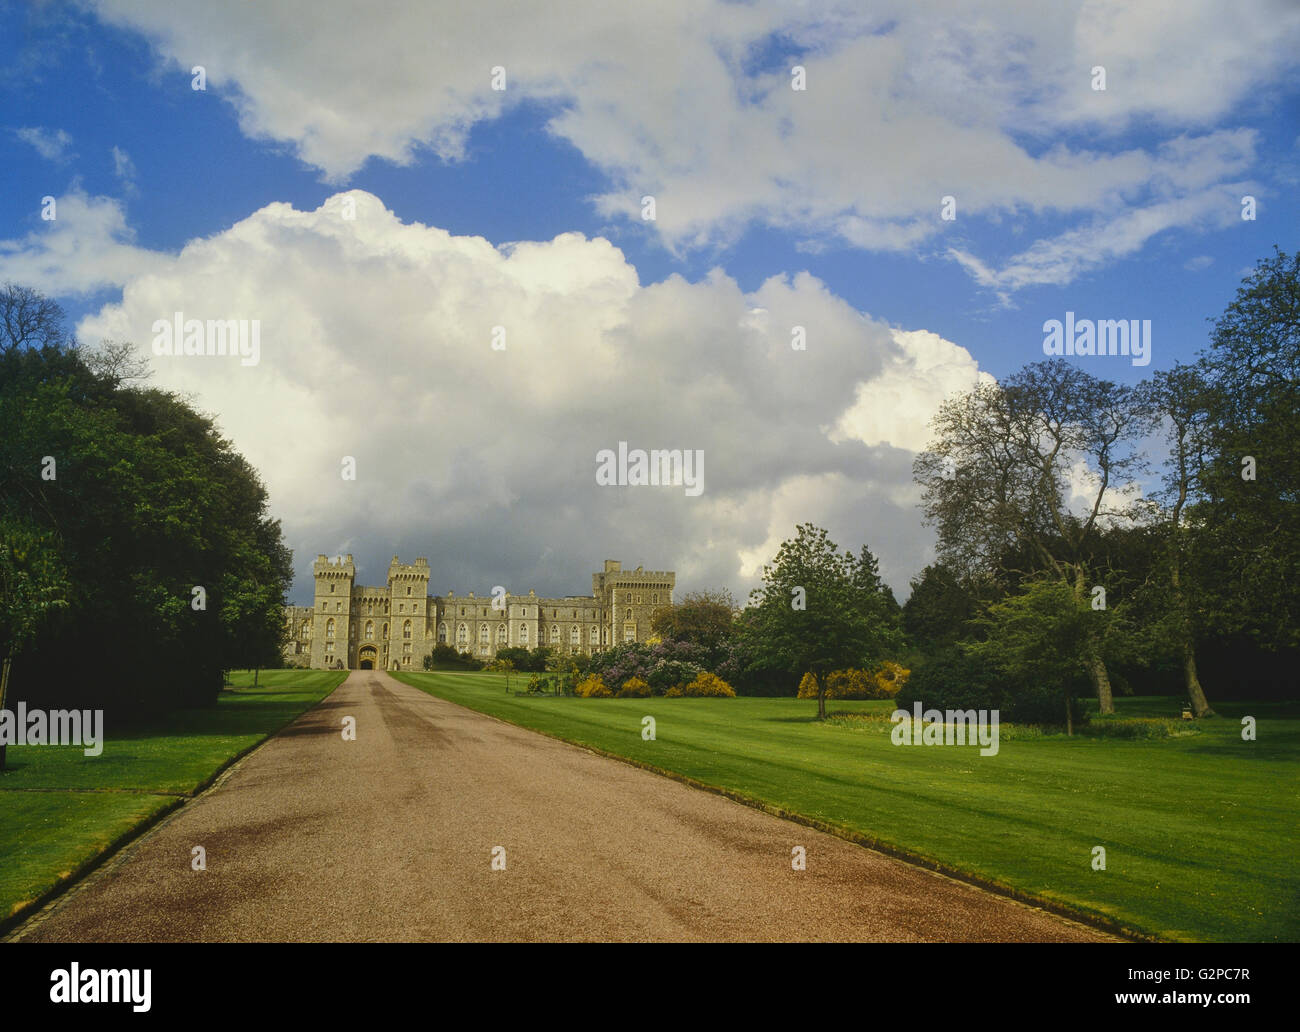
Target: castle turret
pixel 409 613
pixel 332 611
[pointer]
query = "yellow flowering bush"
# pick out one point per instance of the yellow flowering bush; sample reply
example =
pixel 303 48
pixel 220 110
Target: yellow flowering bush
pixel 593 688
pixel 707 685
pixel 634 688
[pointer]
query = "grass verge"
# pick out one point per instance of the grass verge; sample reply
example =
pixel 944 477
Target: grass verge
pixel 1199 830
pixel 62 811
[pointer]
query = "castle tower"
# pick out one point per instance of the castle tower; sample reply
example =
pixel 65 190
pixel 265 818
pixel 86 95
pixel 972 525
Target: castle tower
pixel 410 614
pixel 629 599
pixel 331 641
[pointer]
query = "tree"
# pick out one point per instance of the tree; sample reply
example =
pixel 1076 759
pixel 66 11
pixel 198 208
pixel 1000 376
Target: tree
pixel 29 319
pixel 33 586
pixel 159 523
pixel 703 618
pixel 1249 519
pixel 1040 639
pixel 1181 398
pixel 504 666
pixel 1000 478
pixel 936 612
pixel 811 615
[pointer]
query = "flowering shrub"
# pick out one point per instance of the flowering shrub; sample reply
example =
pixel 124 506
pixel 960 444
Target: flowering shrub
pixel 661 665
pixel 884 683
pixel 592 687
pixel 634 688
pixel 708 685
pixel 889 679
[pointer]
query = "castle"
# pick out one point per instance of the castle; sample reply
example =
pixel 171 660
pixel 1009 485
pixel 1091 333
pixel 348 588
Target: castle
pixel 396 626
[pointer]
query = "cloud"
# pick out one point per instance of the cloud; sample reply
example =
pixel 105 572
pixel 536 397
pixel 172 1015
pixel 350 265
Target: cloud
pixel 123 167
pixel 86 247
pixel 907 101
pixel 52 144
pixel 376 343
pixel 1201 261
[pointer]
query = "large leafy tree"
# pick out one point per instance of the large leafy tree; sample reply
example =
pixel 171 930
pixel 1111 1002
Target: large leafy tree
pixel 1250 515
pixel 706 619
pixel 1003 478
pixel 814 614
pixel 33 587
pixel 1180 399
pixel 1038 638
pixel 147 502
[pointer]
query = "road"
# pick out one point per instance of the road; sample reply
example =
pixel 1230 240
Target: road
pixel 390 838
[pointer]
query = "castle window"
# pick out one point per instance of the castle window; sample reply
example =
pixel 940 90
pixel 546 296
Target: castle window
pixel 483 634
pixel 638 600
pixel 555 635
pixel 523 632
pixel 329 628
pixel 442 634
pixel 575 636
pixel 595 635
pixel 306 629
pixel 331 589
pixel 406 629
pixel 501 635
pixel 401 607
pixel 338 607
pixel 408 590
pixel 629 632
pixel 385 631
pixel 654 600
pixel 462 634
pixel 370 630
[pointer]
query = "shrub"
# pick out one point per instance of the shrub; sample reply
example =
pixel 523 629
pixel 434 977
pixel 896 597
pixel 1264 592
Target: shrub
pixel 708 685
pixel 634 688
pixel 849 684
pixel 889 680
pixel 952 680
pixel 675 692
pixel 593 687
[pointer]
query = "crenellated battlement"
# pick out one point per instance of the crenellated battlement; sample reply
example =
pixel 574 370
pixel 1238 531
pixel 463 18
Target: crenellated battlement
pixel 397 626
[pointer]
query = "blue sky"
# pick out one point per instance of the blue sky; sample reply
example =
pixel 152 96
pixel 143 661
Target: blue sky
pixel 1123 203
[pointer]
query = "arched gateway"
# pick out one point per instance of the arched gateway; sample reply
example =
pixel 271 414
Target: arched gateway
pixel 368 657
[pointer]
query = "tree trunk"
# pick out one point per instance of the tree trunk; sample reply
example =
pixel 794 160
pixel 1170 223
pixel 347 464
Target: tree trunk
pixel 1069 715
pixel 1195 693
pixel 4 694
pixel 1200 705
pixel 1096 665
pixel 255 673
pixel 1100 680
pixel 821 698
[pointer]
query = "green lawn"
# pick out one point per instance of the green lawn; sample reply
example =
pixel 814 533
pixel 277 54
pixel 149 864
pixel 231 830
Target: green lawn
pixel 60 809
pixel 1200 831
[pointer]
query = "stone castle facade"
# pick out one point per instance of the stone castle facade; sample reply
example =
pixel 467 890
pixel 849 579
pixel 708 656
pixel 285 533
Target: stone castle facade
pixel 395 627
